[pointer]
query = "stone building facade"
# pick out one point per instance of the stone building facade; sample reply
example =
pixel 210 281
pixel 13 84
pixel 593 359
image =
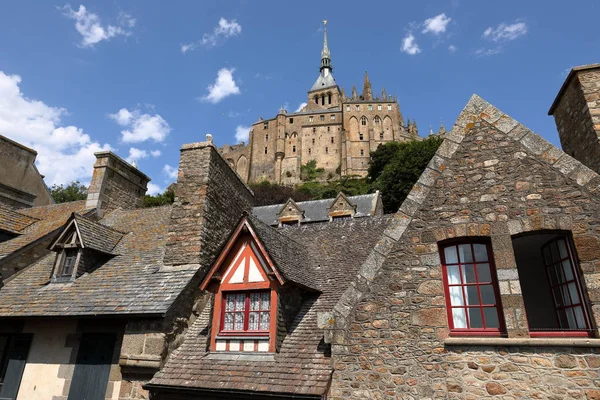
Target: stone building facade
pixel 21 184
pixel 576 111
pixel 336 130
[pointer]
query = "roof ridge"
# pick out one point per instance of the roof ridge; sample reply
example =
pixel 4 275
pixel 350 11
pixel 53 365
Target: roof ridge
pixel 98 223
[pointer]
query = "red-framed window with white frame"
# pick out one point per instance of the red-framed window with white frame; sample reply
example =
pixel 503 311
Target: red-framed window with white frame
pixel 246 312
pixel 471 288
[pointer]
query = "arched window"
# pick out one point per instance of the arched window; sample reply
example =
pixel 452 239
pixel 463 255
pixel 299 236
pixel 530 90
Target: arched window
pixel 322 99
pixel 329 98
pixel 377 120
pixel 316 99
pixel 363 121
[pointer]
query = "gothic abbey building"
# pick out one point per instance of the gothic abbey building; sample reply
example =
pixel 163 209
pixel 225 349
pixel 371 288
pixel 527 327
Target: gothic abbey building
pixel 335 130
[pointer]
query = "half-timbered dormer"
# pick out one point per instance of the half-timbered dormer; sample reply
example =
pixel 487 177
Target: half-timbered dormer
pixel 247 279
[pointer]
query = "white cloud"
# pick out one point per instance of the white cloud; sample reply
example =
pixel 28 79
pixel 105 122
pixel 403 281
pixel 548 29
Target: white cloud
pixel 224 86
pixel 91 29
pixel 169 171
pixel 301 106
pixel 409 45
pixel 225 28
pixel 65 153
pixel 155 153
pixel 503 32
pixel 452 48
pixel 483 52
pixel 141 127
pixel 135 155
pixel 154 189
pixel 437 24
pixel 242 133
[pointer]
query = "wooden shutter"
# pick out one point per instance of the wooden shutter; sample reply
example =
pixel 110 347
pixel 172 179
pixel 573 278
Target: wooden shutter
pixel 94 358
pixel 16 358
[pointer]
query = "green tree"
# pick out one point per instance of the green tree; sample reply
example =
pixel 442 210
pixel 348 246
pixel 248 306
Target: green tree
pixel 160 199
pixel 402 170
pixel 266 193
pixel 309 171
pixel 382 157
pixel 72 192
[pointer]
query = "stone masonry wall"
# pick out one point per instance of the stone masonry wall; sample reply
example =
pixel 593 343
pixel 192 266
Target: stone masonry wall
pixel 395 342
pixel 210 199
pixel 577 117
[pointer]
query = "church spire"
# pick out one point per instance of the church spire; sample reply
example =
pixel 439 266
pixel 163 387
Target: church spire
pixel 367 92
pixel 325 55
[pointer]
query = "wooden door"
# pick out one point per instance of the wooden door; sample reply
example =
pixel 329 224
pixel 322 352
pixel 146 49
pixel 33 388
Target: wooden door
pixel 94 358
pixel 13 356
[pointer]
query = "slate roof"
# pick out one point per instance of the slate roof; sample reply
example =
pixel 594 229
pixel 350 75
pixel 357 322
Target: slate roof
pixel 290 257
pixel 323 82
pixel 48 219
pixel 316 210
pixel 97 236
pixel 14 221
pixel 132 282
pixel 303 364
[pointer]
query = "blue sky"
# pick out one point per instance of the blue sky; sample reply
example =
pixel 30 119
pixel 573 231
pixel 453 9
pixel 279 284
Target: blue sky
pixel 135 76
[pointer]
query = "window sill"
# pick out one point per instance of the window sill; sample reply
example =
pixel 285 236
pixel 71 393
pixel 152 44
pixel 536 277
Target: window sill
pixel 229 336
pixel 532 342
pixel 240 356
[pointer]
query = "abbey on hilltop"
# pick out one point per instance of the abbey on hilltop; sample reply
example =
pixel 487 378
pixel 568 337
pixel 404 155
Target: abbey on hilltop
pixel 335 130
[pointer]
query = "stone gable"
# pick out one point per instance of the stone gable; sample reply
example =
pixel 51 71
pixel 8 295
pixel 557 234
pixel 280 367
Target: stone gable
pixel 493 178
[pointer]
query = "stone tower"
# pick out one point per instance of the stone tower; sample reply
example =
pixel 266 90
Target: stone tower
pixel 576 111
pixel 333 130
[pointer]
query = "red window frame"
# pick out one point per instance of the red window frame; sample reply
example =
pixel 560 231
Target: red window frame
pixel 246 314
pixel 566 287
pixel 493 281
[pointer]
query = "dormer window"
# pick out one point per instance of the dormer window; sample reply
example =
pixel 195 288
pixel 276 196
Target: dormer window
pixel 246 312
pixel 68 263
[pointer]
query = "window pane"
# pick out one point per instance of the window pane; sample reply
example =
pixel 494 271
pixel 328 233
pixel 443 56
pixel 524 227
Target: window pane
pixel 239 321
pixel 573 293
pixel 456 296
pixel 552 276
pixel 558 298
pixel 475 320
pixel 228 326
pixel 567 270
pixel 565 295
pixel 472 296
pixel 450 254
pixel 253 322
pixel 580 320
pixel 464 250
pixel 480 252
pixel 240 300
pixel 491 317
pixel 255 301
pixel 468 271
pixel 487 294
pixel 264 321
pixel 554 251
pixel 571 318
pixel 562 249
pixel 483 273
pixel 459 318
pixel 230 303
pixel 453 275
pixel 562 318
pixel 265 301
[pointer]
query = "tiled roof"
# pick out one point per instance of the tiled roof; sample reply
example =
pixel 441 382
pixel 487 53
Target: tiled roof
pixel 316 210
pixel 303 364
pixel 14 221
pixel 97 236
pixel 49 219
pixel 132 282
pixel 290 257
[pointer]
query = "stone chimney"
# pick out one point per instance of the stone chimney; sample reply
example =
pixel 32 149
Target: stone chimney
pixel 576 111
pixel 115 184
pixel 209 200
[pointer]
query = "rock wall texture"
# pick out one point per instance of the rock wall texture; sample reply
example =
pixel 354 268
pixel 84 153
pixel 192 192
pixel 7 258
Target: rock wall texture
pixel 577 115
pixel 493 178
pixel 210 198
